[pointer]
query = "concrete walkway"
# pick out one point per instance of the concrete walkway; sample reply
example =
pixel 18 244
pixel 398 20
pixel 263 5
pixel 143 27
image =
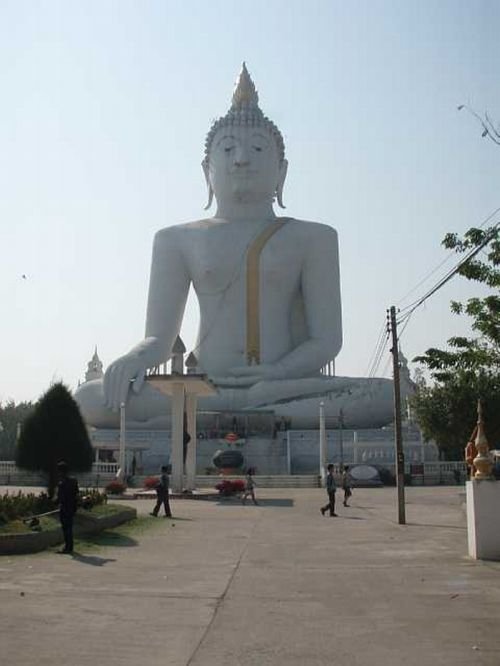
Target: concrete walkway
pixel 224 584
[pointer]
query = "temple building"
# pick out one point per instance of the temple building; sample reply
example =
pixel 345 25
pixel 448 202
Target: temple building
pixel 94 368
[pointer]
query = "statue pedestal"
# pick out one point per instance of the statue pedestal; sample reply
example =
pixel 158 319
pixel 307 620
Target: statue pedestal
pixel 483 519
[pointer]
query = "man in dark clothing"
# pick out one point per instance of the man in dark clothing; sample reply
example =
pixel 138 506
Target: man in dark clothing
pixel 67 498
pixel 162 494
pixel 330 489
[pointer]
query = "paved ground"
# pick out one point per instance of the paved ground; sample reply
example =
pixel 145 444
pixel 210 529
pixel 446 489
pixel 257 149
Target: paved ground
pixel 224 585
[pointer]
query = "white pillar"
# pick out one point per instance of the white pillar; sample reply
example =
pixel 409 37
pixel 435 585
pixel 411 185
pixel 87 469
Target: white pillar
pixel 121 457
pixel 483 519
pixel 191 400
pixel 176 455
pixel 288 454
pixel 322 444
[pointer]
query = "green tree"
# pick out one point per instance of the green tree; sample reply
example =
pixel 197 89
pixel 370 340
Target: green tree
pixel 10 416
pixel 54 431
pixel 470 369
pixel 447 411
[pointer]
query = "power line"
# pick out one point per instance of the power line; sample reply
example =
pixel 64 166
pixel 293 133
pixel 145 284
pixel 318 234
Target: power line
pixel 376 350
pixel 408 311
pixel 444 261
pixel 379 355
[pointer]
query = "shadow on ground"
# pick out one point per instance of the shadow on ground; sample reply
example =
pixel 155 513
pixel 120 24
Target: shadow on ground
pixel 284 502
pixel 179 518
pixel 343 516
pixel 111 538
pixel 93 560
pixel 441 527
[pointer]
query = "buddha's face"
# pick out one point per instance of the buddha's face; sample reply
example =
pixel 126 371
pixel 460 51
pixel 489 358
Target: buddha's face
pixel 244 165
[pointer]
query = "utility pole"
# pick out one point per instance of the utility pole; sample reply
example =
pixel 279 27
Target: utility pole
pixel 398 439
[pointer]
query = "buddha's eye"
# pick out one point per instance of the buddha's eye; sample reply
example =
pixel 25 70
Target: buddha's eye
pixel 228 149
pixel 257 149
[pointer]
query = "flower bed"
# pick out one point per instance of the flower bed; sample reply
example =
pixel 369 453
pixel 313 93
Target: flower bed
pixel 20 505
pixel 151 482
pixel 229 487
pixel 86 523
pixel 116 487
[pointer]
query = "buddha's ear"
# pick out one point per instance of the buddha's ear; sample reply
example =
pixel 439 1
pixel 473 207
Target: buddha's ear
pixel 204 166
pixel 281 182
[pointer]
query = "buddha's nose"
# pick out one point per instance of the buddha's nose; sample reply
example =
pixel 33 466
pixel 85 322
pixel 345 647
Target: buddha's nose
pixel 241 157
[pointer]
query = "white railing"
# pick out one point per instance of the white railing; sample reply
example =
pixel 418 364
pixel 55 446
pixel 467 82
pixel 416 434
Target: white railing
pixel 9 467
pixel 427 468
pixel 104 468
pixel 445 466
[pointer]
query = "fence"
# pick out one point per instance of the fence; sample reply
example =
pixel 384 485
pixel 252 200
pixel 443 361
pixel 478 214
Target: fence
pixel 429 473
pixel 10 475
pixel 9 467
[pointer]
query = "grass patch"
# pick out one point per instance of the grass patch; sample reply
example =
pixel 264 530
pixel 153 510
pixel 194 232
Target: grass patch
pixel 19 527
pixel 105 509
pixel 125 535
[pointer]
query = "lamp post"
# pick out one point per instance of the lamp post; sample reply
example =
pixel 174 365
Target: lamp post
pixel 121 457
pixel 341 438
pixel 322 444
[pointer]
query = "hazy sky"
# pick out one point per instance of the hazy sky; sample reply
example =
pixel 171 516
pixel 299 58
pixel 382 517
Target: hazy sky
pixel 104 111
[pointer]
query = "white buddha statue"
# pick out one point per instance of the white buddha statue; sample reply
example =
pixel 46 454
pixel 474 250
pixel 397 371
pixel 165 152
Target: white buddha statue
pixel 269 295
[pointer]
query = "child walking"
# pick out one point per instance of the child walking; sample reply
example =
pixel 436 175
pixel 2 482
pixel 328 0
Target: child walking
pixel 249 487
pixel 346 484
pixel 162 494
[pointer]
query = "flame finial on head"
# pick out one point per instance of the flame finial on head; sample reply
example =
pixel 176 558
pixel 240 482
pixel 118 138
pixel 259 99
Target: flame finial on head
pixel 245 111
pixel 245 94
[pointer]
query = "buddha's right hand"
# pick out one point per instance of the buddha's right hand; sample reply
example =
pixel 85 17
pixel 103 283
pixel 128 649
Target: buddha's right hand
pixel 126 370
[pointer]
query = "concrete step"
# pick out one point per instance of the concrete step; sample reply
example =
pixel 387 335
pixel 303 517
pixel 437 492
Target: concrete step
pixel 265 481
pixel 262 481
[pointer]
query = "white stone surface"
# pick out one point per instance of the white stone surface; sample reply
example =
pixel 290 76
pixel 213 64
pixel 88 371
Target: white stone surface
pixel 483 519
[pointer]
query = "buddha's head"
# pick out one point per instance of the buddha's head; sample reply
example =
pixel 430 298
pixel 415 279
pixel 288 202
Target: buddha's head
pixel 244 151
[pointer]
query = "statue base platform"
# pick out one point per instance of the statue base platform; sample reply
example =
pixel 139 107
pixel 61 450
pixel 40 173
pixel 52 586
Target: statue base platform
pixel 266 445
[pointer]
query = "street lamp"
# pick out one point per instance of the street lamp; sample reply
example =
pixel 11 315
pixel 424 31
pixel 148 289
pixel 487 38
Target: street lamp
pixel 121 474
pixel 322 444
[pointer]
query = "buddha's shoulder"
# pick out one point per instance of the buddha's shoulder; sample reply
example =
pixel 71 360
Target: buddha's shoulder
pixel 180 230
pixel 310 228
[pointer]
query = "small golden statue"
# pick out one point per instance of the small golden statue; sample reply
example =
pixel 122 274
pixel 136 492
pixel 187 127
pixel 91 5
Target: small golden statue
pixel 482 463
pixel 471 453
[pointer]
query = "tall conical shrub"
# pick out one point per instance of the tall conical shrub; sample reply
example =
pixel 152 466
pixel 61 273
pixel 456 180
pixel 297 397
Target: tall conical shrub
pixel 54 431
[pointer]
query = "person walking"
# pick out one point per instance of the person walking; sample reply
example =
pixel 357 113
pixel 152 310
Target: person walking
pixel 249 487
pixel 330 489
pixel 67 498
pixel 162 494
pixel 346 484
